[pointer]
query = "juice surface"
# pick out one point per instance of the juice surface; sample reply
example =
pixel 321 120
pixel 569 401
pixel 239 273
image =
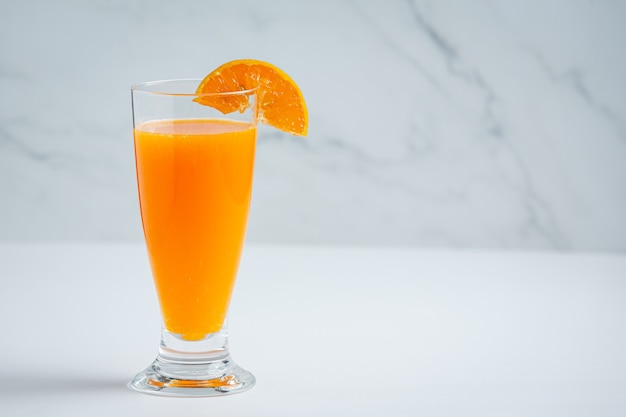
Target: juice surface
pixel 195 184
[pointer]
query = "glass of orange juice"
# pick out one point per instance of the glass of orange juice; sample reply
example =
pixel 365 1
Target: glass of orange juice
pixel 194 173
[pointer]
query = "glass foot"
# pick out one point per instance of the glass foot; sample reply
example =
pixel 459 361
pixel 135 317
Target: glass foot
pixel 193 380
pixel 202 368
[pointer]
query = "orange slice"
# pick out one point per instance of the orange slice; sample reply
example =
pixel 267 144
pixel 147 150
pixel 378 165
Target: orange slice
pixel 280 101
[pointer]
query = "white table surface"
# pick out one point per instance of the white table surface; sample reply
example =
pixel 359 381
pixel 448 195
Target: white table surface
pixel 328 331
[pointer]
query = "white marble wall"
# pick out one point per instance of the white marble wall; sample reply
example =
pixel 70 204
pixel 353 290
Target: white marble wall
pixel 434 123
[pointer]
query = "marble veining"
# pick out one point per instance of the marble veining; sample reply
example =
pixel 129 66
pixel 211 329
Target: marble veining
pixel 575 78
pixel 457 124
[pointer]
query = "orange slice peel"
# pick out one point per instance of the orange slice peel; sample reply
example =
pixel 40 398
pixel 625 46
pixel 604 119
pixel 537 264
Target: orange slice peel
pixel 280 102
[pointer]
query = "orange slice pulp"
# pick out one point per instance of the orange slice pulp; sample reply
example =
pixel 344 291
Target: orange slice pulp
pixel 280 101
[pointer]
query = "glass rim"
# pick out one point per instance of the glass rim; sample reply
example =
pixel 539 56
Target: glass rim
pixel 141 87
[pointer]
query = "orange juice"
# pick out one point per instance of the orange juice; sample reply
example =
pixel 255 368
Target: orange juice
pixel 195 184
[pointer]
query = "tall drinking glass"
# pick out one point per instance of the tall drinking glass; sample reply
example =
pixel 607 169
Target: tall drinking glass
pixel 194 174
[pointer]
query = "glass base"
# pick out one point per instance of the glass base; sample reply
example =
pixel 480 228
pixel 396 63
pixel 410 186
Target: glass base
pixel 193 369
pixel 198 380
